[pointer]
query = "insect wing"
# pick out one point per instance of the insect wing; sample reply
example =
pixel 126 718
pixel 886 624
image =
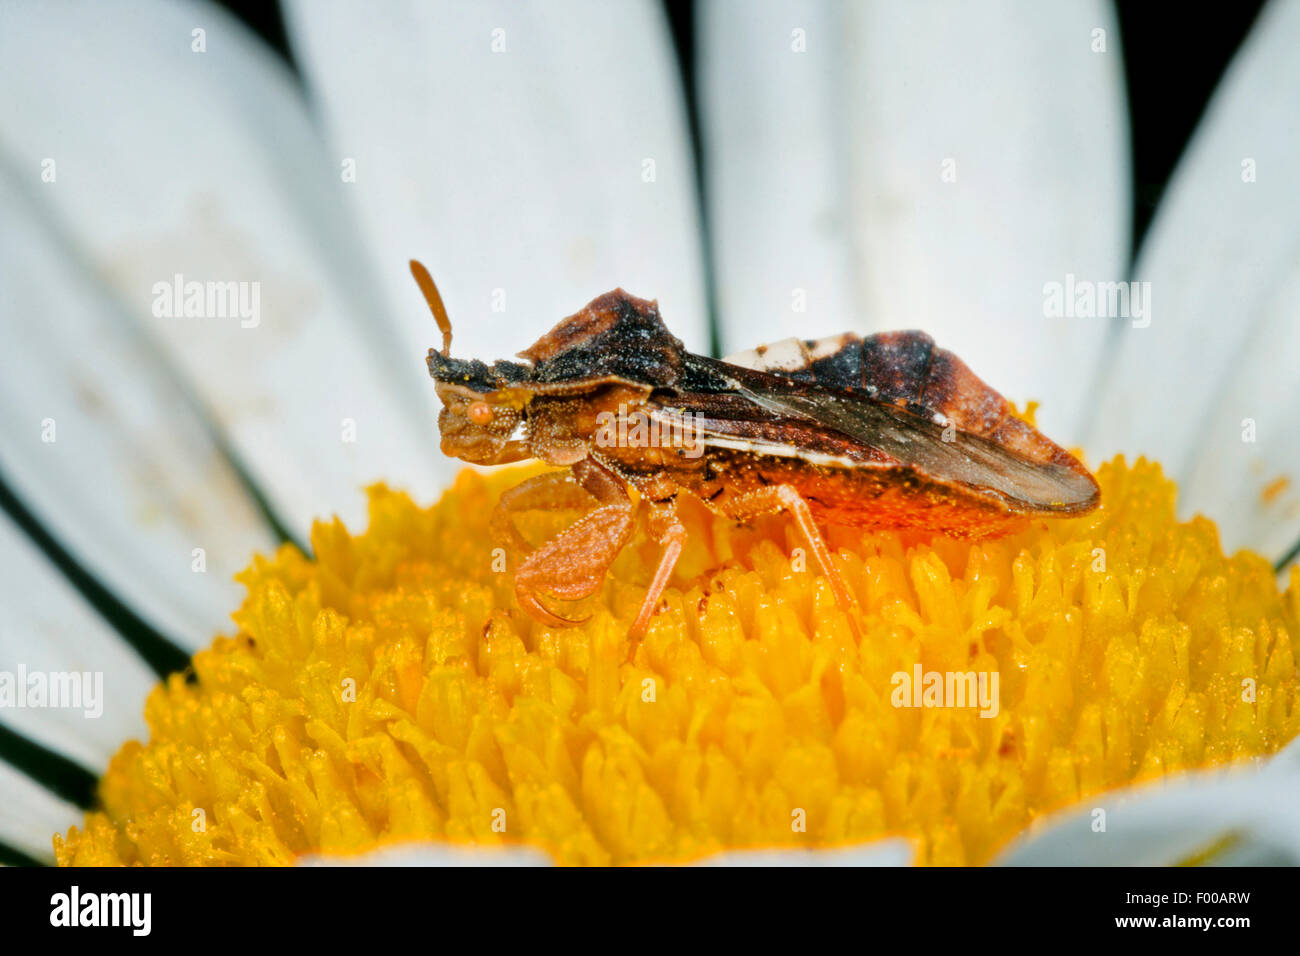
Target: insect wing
pixel 948 455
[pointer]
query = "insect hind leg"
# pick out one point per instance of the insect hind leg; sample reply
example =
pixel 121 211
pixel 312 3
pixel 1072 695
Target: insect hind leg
pixel 775 498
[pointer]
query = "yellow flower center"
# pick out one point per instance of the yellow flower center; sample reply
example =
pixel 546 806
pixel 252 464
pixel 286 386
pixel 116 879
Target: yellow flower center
pixel 389 690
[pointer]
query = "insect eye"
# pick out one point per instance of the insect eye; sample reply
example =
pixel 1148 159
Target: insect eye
pixel 480 413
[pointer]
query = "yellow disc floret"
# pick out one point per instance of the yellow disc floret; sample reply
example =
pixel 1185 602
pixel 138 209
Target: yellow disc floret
pixel 389 690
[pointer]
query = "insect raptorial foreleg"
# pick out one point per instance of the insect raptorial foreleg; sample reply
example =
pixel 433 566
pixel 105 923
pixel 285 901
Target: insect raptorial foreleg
pixel 551 491
pixel 572 565
pixel 776 498
pixel 671 533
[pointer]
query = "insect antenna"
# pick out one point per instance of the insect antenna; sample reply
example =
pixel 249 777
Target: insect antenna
pixel 431 296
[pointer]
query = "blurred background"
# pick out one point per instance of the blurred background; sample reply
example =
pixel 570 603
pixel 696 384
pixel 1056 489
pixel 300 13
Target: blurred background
pixel 1171 63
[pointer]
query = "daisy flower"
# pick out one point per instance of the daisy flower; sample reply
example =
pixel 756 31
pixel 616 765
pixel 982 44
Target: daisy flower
pixel 213 346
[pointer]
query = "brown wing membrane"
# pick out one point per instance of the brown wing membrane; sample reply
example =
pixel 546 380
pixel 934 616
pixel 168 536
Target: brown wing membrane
pixel 1054 483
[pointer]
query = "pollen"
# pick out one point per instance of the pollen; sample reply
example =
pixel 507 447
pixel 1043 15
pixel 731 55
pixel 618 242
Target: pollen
pixel 387 689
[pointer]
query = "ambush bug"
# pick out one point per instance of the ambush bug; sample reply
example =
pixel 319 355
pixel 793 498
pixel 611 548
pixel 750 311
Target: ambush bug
pixel 881 431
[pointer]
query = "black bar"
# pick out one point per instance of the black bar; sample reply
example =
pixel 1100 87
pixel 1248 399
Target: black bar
pixel 663 907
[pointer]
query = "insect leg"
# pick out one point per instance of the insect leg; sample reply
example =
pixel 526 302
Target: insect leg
pixel 671 533
pixel 572 565
pixel 787 498
pixel 553 490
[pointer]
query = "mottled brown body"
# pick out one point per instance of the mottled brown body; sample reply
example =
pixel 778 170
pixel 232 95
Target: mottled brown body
pixel 885 431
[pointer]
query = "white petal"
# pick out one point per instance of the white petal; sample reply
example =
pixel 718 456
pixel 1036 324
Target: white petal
pixel 30 815
pixel 205 165
pixel 49 634
pixel 841 150
pixel 436 854
pixel 101 443
pixel 521 178
pixel 1165 823
pixel 882 853
pixel 1217 252
pixel 776 170
pixel 1245 472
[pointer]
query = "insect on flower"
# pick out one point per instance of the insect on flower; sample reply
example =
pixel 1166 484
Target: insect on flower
pixel 886 431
